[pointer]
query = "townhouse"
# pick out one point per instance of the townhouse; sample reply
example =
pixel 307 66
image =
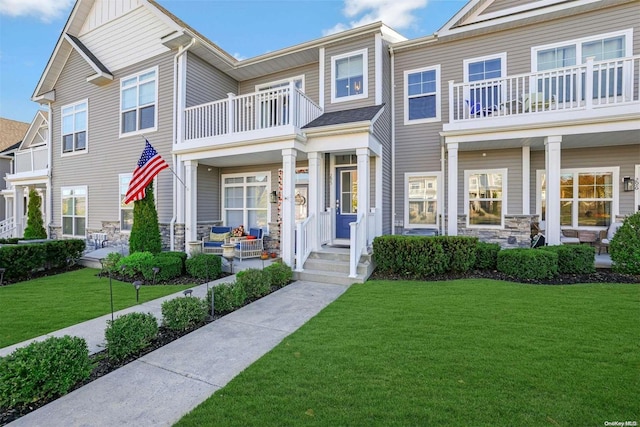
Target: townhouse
pixel 512 113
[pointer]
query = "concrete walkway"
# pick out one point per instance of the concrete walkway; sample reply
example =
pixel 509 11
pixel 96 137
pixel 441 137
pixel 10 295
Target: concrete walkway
pixel 162 386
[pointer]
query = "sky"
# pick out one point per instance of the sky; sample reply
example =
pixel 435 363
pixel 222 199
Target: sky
pixel 29 31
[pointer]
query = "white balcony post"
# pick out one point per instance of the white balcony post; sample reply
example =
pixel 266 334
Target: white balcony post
pixel 314 197
pixel 451 101
pixel 191 202
pixel 452 194
pixel 588 92
pixel 552 166
pixel 293 104
pixel 526 179
pixel 287 230
pixel 364 172
pixel 18 210
pixel 230 109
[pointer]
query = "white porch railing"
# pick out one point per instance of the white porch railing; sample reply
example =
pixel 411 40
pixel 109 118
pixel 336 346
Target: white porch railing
pixel 587 86
pixel 304 239
pixel 325 227
pixel 32 159
pixel 357 245
pixel 254 111
pixel 6 228
pixel 371 226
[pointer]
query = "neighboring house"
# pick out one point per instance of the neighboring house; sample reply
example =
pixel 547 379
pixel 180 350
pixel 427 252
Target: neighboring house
pixel 11 134
pixel 350 136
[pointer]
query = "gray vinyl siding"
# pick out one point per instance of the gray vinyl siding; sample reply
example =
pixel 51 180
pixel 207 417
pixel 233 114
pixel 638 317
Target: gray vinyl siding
pixel 208 193
pixel 417 146
pixel 311 80
pixel 206 83
pixel 623 156
pixel 107 154
pixel 345 48
pixel 504 4
pixel 5 168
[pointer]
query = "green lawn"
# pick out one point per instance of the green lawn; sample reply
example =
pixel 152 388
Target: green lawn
pixel 36 307
pixel 465 352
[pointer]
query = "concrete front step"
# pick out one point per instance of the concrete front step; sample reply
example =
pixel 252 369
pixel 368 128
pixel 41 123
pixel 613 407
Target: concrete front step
pixel 338 266
pixel 328 277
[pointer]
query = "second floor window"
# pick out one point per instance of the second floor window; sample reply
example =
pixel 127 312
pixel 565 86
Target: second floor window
pixel 139 98
pixel 349 76
pixel 74 127
pixel 479 70
pixel 423 98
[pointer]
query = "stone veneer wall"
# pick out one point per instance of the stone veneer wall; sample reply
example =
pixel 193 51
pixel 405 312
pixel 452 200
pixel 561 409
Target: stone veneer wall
pixel 515 234
pixel 272 240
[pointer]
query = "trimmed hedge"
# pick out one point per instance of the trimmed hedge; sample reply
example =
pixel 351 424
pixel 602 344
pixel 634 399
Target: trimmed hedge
pixel 181 255
pixel 21 260
pixel 280 274
pixel 461 251
pixel 43 370
pixel 183 313
pixel 410 256
pixel 227 297
pixel 574 259
pixel 256 283
pixel 204 266
pixel 528 264
pixel 625 246
pixel 487 256
pixel 130 333
pixel 170 266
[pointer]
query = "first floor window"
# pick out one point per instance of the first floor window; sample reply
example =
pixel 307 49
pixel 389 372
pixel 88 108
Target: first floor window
pixel 74 211
pixel 126 211
pixel 74 127
pixel 421 202
pixel 586 197
pixel 423 97
pixel 485 197
pixel 246 200
pixel 138 97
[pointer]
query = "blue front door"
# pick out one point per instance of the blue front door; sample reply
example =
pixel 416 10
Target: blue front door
pixel 346 200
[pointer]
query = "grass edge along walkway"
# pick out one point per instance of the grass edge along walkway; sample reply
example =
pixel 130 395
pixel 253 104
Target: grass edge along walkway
pixel 465 352
pixel 39 306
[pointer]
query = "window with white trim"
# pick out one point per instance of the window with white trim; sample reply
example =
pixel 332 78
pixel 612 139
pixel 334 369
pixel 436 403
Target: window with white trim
pixel 138 101
pixel 349 78
pixel 587 197
pixel 74 127
pixel 485 197
pixel 246 200
pixel 126 211
pixel 421 200
pixel 482 69
pixel 422 99
pixel 74 211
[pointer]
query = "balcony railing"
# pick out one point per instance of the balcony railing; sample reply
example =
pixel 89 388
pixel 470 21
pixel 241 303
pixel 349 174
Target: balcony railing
pixel 254 111
pixel 581 87
pixel 30 160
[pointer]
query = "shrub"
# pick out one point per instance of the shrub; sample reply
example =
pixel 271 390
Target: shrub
pixel 130 333
pixel 280 274
pixel 183 313
pixel 528 264
pixel 145 232
pixel 574 259
pixel 22 260
pixel 487 256
pixel 410 256
pixel 43 370
pixel 111 262
pixel 35 225
pixel 227 297
pixel 170 266
pixel 204 266
pixel 136 263
pixel 625 246
pixel 461 251
pixel 256 282
pixel 181 255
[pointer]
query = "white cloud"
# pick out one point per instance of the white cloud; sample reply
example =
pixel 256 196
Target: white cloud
pixel 45 10
pixel 239 56
pixel 398 14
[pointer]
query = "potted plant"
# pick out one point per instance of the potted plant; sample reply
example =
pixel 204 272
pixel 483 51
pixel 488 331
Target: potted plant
pixel 264 255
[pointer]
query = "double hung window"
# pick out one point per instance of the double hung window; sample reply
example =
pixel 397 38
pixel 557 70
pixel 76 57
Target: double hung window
pixel 485 91
pixel 349 76
pixel 485 194
pixel 74 211
pixel 246 199
pixel 421 201
pixel 139 98
pixel 74 127
pixel 422 102
pixel 126 211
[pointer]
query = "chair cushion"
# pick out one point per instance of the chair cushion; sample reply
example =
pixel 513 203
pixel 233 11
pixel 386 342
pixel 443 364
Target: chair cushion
pixel 612 229
pixel 218 237
pixel 251 237
pixel 256 232
pixel 213 244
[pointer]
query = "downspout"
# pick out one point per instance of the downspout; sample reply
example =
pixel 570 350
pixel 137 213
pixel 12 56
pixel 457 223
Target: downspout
pixel 181 51
pixel 444 190
pixel 393 141
pixel 49 201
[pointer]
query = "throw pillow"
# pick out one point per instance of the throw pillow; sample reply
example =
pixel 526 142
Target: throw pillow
pixel 218 237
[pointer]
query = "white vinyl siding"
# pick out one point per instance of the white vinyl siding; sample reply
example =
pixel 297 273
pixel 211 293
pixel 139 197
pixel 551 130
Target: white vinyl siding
pixel 74 211
pixel 349 76
pixel 138 102
pixel 126 211
pixel 74 127
pixel 423 92
pixel 485 193
pixel 246 200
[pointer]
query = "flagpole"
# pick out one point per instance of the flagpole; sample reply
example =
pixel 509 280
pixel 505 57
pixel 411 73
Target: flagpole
pixel 172 171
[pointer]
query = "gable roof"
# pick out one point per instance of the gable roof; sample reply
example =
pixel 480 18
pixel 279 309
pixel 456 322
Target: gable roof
pixel 11 132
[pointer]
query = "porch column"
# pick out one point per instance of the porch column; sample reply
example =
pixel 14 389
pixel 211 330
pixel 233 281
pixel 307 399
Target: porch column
pixel 190 202
pixel 18 210
pixel 315 179
pixel 552 167
pixel 364 173
pixel 452 194
pixel 526 180
pixel 180 191
pixel 288 227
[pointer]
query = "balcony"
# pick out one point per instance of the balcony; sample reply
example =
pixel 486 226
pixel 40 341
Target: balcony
pixel 590 91
pixel 31 160
pixel 271 113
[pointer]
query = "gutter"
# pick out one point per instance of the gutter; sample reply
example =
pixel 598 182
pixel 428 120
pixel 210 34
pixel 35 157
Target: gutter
pixel 49 201
pixel 174 157
pixel 393 140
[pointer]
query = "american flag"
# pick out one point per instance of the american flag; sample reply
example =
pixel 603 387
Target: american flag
pixel 149 165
